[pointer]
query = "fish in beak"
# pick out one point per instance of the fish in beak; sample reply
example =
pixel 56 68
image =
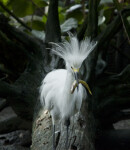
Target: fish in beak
pixel 77 82
pixel 76 73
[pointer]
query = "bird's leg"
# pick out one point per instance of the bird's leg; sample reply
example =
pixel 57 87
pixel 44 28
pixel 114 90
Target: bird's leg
pixel 67 129
pixel 54 148
pixel 67 133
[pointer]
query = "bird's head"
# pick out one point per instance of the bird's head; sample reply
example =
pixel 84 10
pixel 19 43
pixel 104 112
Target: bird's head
pixel 74 53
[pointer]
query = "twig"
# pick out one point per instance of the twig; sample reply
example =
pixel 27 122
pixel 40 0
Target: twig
pixel 111 29
pixel 124 27
pixel 13 15
pixel 119 8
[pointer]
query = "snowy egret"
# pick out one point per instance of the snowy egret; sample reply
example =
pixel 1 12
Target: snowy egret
pixel 57 92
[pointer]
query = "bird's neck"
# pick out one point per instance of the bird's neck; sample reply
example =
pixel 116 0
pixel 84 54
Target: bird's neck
pixel 68 83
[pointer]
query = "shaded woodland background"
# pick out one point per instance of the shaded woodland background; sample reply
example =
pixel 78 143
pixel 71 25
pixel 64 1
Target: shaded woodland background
pixel 26 28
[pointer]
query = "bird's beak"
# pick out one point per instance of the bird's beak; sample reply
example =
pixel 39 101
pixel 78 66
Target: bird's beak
pixel 76 72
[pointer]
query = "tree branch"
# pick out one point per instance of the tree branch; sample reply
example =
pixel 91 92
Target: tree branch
pixel 90 23
pixel 116 92
pixel 82 30
pixel 13 15
pixel 31 44
pixel 92 26
pixel 87 107
pixel 111 29
pixel 53 33
pixel 7 90
pixel 24 92
pixel 12 45
pixel 104 37
pixel 124 21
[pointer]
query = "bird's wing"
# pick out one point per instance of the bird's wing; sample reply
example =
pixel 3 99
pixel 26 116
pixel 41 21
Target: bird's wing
pixel 52 83
pixel 58 75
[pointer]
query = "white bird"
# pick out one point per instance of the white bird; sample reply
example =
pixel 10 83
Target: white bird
pixel 55 91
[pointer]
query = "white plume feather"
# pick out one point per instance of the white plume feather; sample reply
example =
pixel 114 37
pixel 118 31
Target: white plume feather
pixel 74 51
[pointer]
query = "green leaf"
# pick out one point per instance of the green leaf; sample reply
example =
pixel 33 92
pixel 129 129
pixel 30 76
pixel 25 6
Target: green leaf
pixel 44 19
pixel 118 5
pixel 40 3
pixel 37 25
pixel 61 17
pixel 4 1
pixel 102 27
pixel 106 1
pixel 128 19
pixel 39 34
pixel 101 20
pixel 62 14
pixel 77 14
pixel 22 8
pixel 108 13
pixel 69 24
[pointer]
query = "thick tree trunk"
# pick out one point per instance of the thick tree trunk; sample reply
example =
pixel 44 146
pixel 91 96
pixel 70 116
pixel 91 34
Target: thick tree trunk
pixel 80 132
